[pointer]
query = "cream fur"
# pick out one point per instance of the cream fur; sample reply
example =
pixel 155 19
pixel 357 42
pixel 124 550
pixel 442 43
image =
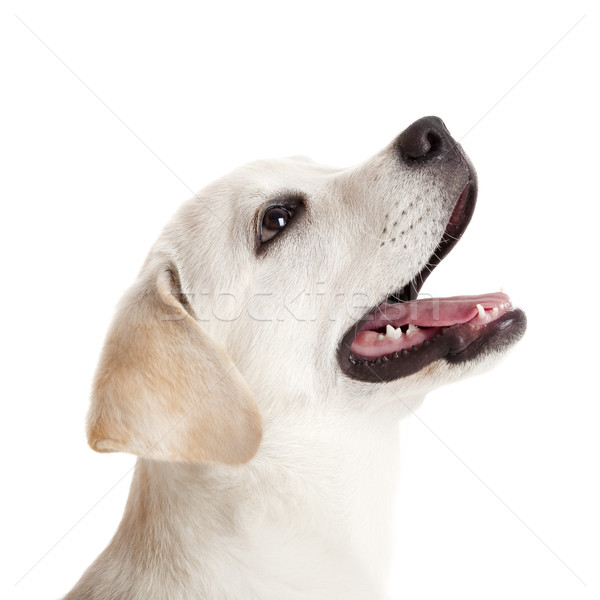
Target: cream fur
pixel 215 344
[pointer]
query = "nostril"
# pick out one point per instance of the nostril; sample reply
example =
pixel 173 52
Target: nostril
pixel 435 142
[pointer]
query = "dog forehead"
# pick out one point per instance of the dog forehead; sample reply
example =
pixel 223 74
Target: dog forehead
pixel 218 225
pixel 226 210
pixel 269 177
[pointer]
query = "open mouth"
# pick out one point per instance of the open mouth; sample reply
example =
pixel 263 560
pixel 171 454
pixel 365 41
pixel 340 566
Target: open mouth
pixel 404 334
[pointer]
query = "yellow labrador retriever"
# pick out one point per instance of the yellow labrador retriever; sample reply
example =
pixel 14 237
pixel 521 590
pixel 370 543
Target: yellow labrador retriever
pixel 259 365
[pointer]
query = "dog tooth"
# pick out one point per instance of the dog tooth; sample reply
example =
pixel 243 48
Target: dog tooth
pixel 411 329
pixel 381 336
pixel 392 332
pixel 480 310
pixel 495 310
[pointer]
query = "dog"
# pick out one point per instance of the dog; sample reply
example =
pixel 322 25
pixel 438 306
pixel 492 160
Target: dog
pixel 260 363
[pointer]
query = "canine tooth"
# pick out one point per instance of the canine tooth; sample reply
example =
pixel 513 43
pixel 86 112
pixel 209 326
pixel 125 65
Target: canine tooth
pixel 480 310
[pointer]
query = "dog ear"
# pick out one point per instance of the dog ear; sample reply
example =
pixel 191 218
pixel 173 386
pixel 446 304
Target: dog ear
pixel 164 388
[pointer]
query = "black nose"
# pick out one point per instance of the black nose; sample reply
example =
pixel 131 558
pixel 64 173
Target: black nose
pixel 425 140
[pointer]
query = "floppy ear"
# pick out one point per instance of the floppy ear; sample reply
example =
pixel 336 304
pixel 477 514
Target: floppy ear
pixel 164 388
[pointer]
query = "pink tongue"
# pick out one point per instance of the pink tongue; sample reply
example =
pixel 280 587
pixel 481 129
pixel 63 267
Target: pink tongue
pixel 433 312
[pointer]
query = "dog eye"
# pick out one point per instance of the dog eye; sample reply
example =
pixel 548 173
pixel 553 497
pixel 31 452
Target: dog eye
pixel 273 220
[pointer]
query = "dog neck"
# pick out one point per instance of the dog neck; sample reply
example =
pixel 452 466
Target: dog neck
pixel 310 511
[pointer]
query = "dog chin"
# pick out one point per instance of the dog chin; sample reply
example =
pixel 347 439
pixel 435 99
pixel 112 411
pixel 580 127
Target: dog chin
pixel 478 360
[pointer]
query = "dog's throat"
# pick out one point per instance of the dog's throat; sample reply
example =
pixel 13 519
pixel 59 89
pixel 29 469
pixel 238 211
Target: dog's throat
pixel 394 330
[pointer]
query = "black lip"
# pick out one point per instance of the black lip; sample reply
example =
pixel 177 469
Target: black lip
pixel 454 344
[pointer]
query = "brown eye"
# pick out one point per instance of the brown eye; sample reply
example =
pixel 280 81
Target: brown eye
pixel 274 219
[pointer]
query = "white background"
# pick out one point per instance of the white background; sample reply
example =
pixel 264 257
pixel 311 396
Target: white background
pixel 113 114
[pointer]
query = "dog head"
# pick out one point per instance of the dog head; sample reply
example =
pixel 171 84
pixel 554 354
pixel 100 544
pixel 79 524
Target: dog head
pixel 287 286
